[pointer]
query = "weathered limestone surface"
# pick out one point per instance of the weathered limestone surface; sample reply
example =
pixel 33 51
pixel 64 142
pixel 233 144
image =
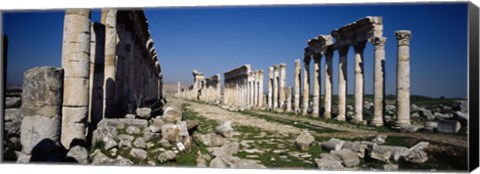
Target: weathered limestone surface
pixel 342 84
pixel 403 77
pixel 297 85
pixel 276 79
pixel 359 76
pixel 289 99
pixel 328 84
pixel 270 87
pixel 75 61
pixel 282 90
pixel 306 81
pixel 41 107
pixel 379 81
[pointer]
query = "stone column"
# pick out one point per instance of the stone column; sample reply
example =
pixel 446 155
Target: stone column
pixel 270 86
pixel 219 88
pixel 109 19
pixel 359 75
pixel 379 82
pixel 275 86
pixel 289 99
pixel 342 84
pixel 297 82
pixel 255 89
pixel 178 89
pixel 306 83
pixel 328 84
pixel 75 61
pixel 260 89
pixel 403 77
pixel 283 79
pixel 316 85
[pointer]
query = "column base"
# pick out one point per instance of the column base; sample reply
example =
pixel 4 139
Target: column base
pixel 376 123
pixel 401 123
pixel 341 118
pixel 327 115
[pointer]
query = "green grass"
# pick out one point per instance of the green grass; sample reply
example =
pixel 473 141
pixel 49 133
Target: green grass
pixel 206 126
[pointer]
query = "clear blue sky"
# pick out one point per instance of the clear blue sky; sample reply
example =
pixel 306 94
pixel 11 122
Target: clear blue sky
pixel 217 39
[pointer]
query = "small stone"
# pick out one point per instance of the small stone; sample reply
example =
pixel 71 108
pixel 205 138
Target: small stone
pixel 380 139
pixel 140 143
pixel 390 167
pixel 79 153
pixel 144 112
pixel 180 146
pixel 130 116
pixel 166 156
pixel 109 143
pixel 304 140
pixel 171 133
pixel 333 144
pixel 225 129
pixel 165 143
pixel 348 157
pixel 113 152
pixel 126 137
pixel 138 153
pixel 417 157
pixel 125 144
pixel 132 130
pixel 326 164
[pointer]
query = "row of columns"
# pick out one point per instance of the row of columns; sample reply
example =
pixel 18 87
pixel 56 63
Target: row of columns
pixel 277 97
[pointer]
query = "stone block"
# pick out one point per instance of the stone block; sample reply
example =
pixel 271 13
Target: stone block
pixel 35 129
pixel 304 140
pixel 448 126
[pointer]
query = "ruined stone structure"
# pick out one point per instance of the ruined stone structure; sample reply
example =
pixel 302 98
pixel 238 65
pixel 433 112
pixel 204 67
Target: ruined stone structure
pixel 208 90
pixel 356 34
pixel 276 86
pixel 243 88
pixel 111 68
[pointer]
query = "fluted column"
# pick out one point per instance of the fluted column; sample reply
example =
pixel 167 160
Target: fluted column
pixel 328 84
pixel 75 62
pixel 379 82
pixel 297 82
pixel 316 85
pixel 359 75
pixel 109 19
pixel 306 83
pixel 342 84
pixel 403 77
pixel 275 86
pixel 283 79
pixel 270 86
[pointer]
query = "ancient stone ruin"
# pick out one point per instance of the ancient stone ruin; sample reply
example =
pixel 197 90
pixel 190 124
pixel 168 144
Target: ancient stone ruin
pixel 109 69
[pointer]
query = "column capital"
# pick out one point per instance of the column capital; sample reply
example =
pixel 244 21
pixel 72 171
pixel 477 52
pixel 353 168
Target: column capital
pixel 328 53
pixel 317 57
pixel 343 50
pixel 379 42
pixel 359 46
pixel 403 37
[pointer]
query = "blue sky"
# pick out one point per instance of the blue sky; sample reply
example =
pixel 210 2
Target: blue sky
pixel 217 39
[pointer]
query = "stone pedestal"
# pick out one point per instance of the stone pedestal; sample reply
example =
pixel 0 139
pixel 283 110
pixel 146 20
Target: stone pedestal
pixel 342 84
pixel 359 76
pixel 76 63
pixel 403 77
pixel 328 84
pixel 379 82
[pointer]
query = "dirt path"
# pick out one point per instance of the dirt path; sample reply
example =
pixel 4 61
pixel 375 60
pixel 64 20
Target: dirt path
pixel 348 131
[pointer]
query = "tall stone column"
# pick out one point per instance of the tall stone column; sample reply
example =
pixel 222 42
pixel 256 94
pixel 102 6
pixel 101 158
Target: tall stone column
pixel 260 89
pixel 297 85
pixel 403 77
pixel 359 75
pixel 270 86
pixel 316 85
pixel 283 79
pixel 328 84
pixel 342 84
pixel 275 86
pixel 255 89
pixel 289 99
pixel 109 19
pixel 219 88
pixel 306 83
pixel 178 89
pixel 379 82
pixel 75 61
